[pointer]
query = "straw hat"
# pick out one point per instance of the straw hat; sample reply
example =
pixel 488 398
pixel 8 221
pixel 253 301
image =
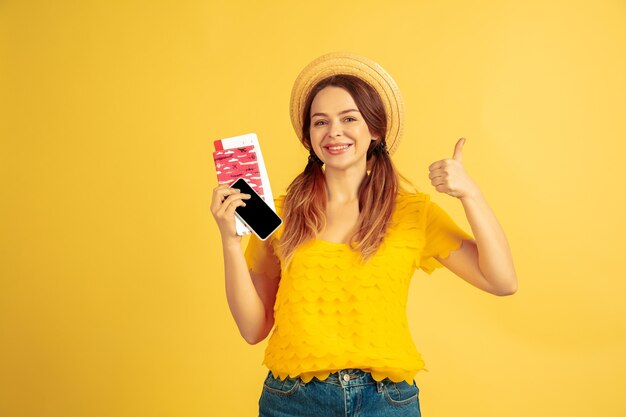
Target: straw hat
pixel 359 66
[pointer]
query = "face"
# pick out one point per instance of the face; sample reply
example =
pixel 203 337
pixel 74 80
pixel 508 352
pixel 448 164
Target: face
pixel 339 135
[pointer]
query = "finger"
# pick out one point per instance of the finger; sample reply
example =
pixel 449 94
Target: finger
pixel 228 190
pixel 222 190
pixel 438 173
pixel 438 182
pixel 220 194
pixel 220 187
pixel 437 164
pixel 458 150
pixel 232 198
pixel 230 210
pixel 236 196
pixel 224 209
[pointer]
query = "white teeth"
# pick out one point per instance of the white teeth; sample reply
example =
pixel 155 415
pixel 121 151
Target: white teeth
pixel 337 148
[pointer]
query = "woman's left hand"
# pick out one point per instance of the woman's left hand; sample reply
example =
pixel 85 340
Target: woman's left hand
pixel 449 176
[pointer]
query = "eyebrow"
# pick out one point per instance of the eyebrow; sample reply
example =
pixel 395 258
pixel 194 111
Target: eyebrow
pixel 341 112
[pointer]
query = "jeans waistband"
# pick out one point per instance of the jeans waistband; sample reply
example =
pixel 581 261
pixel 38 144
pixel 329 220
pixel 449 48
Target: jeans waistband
pixel 350 377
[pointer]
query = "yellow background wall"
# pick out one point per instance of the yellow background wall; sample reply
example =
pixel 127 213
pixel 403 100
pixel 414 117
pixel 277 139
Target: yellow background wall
pixel 112 297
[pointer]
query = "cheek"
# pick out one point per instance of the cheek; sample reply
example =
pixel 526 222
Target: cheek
pixel 315 138
pixel 364 130
pixel 361 134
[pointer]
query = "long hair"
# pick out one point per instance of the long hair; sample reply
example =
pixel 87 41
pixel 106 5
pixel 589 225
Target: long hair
pixel 304 206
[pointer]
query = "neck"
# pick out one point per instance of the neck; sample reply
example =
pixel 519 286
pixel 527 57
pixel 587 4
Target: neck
pixel 342 185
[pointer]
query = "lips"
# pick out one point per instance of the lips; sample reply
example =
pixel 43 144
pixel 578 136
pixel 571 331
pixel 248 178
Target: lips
pixel 337 148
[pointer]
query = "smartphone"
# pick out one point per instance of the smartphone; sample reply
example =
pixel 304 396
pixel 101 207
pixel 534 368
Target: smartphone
pixel 257 215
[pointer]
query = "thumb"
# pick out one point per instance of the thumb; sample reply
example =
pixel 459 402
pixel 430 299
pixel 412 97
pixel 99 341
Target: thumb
pixel 458 150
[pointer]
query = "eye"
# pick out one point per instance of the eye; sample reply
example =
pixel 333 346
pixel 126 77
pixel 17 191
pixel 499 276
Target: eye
pixel 318 123
pixel 350 118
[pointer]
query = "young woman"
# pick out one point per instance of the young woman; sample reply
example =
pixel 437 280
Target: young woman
pixel 333 280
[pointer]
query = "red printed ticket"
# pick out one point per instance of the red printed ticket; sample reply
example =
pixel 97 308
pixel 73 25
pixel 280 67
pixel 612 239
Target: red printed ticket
pixel 241 157
pixel 238 162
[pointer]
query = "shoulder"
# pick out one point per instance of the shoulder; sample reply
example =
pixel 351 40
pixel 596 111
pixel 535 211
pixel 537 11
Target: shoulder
pixel 279 200
pixel 409 196
pixel 278 207
pixel 278 203
pixel 410 210
pixel 406 201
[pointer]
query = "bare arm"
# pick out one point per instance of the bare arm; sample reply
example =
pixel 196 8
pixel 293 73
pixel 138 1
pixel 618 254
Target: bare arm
pixel 486 263
pixel 250 296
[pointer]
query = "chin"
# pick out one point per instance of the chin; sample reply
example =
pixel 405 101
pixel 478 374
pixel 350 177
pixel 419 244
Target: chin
pixel 344 165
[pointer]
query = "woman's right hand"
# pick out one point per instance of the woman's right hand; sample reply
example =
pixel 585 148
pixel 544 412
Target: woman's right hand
pixel 225 201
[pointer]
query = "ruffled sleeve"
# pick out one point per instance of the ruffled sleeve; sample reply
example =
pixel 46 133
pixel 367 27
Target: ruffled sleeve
pixel 260 255
pixel 442 236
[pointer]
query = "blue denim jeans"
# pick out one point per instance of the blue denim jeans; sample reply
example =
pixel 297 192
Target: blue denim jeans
pixel 347 393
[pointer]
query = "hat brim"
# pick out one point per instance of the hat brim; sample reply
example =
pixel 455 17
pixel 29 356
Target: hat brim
pixel 361 67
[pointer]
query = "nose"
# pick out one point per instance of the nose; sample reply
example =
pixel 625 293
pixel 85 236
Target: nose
pixel 334 129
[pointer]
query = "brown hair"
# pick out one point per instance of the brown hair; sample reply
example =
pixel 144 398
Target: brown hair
pixel 304 206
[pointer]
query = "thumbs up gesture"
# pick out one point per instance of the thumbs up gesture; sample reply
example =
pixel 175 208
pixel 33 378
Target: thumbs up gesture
pixel 449 176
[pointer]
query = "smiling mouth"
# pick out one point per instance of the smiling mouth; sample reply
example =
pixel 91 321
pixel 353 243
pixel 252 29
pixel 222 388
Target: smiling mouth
pixel 337 148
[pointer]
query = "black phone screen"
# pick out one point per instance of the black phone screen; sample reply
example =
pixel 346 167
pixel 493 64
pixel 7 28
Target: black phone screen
pixel 257 215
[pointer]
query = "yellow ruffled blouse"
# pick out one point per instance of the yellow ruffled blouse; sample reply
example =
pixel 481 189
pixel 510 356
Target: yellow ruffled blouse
pixel 333 312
